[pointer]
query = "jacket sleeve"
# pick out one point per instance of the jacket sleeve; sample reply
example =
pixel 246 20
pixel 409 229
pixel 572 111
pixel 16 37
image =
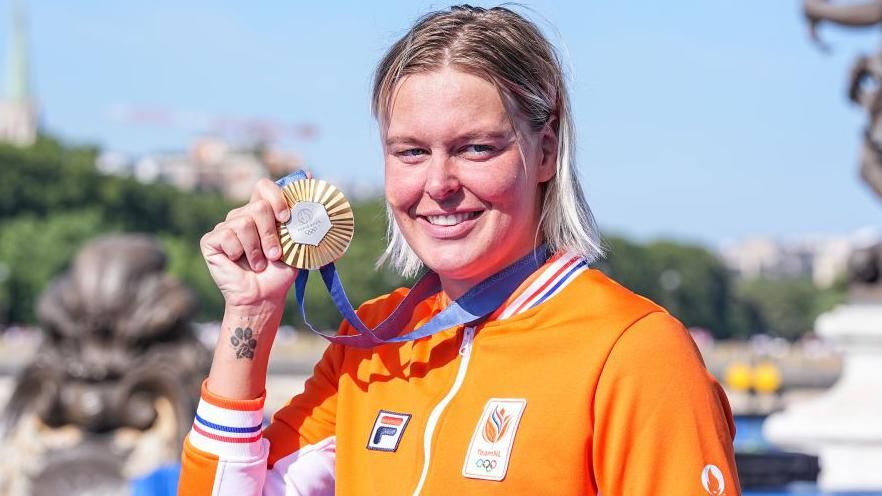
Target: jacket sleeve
pixel 227 452
pixel 662 422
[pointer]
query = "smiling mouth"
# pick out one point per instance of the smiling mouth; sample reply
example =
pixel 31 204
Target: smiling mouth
pixel 447 220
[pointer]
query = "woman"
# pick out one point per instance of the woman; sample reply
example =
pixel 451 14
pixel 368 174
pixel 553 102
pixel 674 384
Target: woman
pixel 574 385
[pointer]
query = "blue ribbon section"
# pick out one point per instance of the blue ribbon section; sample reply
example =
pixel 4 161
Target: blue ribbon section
pixel 471 308
pixel 290 178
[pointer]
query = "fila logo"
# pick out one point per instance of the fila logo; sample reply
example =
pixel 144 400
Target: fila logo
pixel 493 439
pixel 387 431
pixel 713 481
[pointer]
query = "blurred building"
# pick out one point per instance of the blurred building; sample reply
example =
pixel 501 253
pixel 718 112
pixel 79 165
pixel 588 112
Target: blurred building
pixel 821 258
pixel 210 164
pixel 18 112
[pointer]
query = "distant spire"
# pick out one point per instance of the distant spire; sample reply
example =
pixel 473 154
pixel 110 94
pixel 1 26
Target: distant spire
pixel 18 113
pixel 17 70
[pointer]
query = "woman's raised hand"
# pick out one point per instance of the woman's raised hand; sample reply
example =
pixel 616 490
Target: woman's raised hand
pixel 243 251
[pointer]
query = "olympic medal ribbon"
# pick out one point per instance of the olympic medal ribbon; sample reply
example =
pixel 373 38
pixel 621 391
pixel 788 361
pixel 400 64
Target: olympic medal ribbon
pixel 469 309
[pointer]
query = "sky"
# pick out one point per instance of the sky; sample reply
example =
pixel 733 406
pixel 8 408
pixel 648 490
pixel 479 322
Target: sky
pixel 701 121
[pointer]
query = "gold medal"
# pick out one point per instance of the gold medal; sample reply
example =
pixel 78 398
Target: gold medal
pixel 321 224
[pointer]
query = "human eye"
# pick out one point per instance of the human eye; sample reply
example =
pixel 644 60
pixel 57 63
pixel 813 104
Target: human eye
pixel 411 155
pixel 476 151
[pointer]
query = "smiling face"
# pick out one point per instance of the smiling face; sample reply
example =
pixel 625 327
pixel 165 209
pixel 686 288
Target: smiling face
pixel 456 178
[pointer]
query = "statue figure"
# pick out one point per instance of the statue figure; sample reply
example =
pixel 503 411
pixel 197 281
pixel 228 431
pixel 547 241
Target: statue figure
pixel 842 424
pixel 864 89
pixel 111 391
pixel 865 78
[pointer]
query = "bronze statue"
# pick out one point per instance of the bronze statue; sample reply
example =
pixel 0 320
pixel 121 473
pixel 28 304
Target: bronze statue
pixel 864 89
pixel 865 78
pixel 115 382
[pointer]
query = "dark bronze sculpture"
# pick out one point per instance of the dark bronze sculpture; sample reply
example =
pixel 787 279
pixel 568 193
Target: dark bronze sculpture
pixel 865 78
pixel 119 367
pixel 864 89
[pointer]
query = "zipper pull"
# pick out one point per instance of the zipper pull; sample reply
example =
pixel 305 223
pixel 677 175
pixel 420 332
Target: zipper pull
pixel 466 347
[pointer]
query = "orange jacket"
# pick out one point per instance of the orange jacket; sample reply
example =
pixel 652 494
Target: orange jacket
pixel 575 386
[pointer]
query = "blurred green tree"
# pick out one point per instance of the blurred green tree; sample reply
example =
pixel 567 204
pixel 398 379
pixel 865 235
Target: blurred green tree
pixel 688 280
pixel 33 250
pixel 788 307
pixel 49 177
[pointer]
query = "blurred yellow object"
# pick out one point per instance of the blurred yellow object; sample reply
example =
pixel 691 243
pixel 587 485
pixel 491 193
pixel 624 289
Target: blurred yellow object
pixel 739 376
pixel 766 378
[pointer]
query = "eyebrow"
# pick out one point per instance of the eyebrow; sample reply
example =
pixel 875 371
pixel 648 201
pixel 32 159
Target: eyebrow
pixel 478 135
pixel 396 140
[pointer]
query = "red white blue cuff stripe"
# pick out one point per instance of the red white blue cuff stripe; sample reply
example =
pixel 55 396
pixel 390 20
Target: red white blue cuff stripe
pixel 227 432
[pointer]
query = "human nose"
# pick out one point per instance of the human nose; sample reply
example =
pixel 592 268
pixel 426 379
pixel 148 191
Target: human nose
pixel 442 179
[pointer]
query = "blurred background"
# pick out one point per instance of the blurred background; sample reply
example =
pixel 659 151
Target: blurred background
pixel 717 144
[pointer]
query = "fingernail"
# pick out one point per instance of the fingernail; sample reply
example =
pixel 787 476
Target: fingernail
pixel 283 215
pixel 274 253
pixel 259 265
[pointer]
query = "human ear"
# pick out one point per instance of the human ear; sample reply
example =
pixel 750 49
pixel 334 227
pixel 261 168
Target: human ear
pixel 548 150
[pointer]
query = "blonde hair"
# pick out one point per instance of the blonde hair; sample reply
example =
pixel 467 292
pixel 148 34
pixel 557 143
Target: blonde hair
pixel 508 50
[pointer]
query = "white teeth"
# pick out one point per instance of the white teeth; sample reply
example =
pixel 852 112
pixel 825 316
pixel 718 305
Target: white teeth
pixel 450 219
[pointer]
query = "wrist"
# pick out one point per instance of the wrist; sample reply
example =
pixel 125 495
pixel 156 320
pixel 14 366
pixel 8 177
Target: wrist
pixel 241 354
pixel 249 331
pixel 262 308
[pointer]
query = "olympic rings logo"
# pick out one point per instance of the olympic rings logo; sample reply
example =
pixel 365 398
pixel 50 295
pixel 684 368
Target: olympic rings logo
pixel 486 464
pixel 307 229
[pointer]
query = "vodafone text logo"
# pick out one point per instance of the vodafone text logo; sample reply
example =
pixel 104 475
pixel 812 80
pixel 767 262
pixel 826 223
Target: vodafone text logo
pixel 712 480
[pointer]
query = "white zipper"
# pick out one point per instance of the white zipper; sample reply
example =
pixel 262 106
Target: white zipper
pixel 465 350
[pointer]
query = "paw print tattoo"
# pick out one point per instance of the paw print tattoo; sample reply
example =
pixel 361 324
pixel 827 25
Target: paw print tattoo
pixel 244 343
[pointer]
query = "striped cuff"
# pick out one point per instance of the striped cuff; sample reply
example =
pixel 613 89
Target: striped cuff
pixel 228 428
